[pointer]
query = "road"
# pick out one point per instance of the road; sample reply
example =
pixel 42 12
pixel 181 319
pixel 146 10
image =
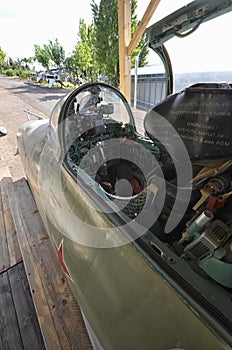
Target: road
pixel 16 96
pixel 37 96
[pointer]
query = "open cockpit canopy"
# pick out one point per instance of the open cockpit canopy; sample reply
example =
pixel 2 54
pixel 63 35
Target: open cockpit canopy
pixel 191 53
pixel 185 20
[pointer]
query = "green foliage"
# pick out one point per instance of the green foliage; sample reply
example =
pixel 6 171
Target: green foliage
pixel 26 61
pixel 21 73
pixel 2 58
pixel 9 72
pixel 17 68
pixel 16 64
pixel 56 53
pixel 84 59
pixel 52 54
pixel 106 38
pixel 95 53
pixel 24 74
pixel 141 51
pixel 42 56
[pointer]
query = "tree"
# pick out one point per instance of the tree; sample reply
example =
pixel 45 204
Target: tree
pixel 2 58
pixel 141 49
pixel 56 53
pixel 83 54
pixel 49 55
pixel 105 18
pixel 26 61
pixel 42 56
pixel 106 38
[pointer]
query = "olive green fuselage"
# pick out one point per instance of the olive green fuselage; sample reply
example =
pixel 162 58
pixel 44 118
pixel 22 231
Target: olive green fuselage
pixel 127 301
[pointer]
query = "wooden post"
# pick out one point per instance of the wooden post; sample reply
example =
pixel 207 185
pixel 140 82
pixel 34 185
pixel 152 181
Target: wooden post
pixel 126 44
pixel 124 31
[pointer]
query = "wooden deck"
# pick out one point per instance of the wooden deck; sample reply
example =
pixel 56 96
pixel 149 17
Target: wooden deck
pixel 37 307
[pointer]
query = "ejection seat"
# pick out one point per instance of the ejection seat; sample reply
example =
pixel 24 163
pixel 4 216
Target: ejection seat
pixel 201 115
pixel 196 122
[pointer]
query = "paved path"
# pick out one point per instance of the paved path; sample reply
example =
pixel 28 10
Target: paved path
pixel 34 95
pixel 15 97
pixel 11 117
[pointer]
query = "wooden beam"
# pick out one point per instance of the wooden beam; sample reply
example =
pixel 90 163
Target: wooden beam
pixel 124 31
pixel 142 25
pixel 126 44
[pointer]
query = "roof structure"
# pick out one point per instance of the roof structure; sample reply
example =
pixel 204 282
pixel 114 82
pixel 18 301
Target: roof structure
pixel 127 44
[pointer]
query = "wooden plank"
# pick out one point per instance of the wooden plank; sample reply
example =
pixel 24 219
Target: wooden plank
pixel 58 311
pixel 45 319
pixel 18 320
pixel 9 248
pixel 124 33
pixel 27 320
pixel 10 335
pixel 4 172
pixel 4 253
pixel 142 25
pixel 11 236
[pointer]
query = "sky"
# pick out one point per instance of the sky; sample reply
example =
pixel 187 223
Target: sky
pixel 24 23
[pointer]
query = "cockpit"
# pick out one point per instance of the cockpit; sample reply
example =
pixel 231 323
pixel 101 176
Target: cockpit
pixel 99 137
pixel 158 180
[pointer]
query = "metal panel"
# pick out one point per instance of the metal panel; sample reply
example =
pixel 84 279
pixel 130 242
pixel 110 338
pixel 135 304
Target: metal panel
pixel 150 90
